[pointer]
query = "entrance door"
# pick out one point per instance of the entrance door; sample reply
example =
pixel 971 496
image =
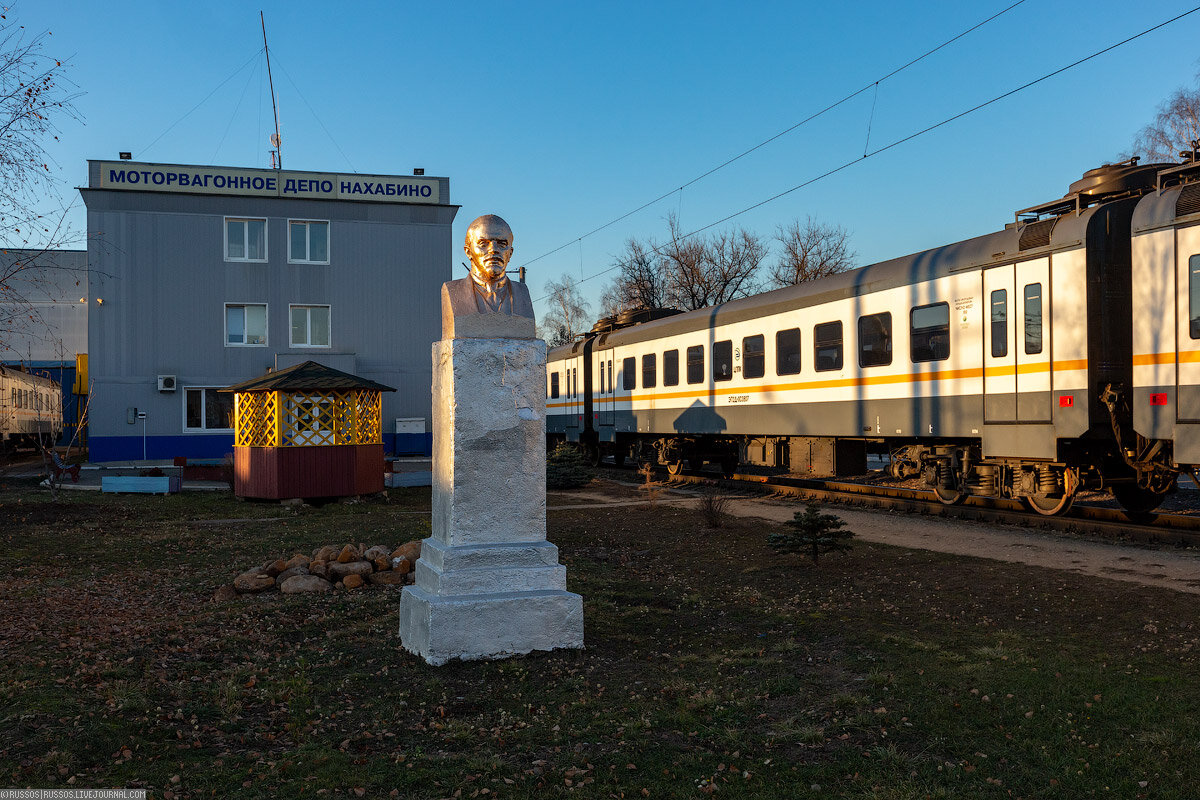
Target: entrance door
pixel 1032 344
pixel 999 346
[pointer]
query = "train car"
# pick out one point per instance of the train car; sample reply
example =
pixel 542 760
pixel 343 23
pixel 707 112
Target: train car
pixel 1165 397
pixel 985 366
pixel 30 409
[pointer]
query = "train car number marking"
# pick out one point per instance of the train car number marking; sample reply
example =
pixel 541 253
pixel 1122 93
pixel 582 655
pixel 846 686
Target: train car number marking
pixel 739 398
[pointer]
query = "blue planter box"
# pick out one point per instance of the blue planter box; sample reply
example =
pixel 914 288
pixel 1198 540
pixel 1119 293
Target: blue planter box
pixel 167 484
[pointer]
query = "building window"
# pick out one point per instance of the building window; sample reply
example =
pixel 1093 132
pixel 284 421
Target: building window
pixel 875 340
pixel 554 383
pixel 754 357
pixel 695 364
pixel 671 368
pixel 929 334
pixel 206 409
pixel 649 371
pixel 629 374
pixel 245 239
pixel 246 325
pixel 1194 296
pixel 722 360
pixel 308 242
pixel 999 300
pixel 310 326
pixel 1033 319
pixel 787 352
pixel 827 346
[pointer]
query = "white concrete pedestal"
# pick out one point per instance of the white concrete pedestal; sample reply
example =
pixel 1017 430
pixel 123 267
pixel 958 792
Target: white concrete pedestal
pixel 488 584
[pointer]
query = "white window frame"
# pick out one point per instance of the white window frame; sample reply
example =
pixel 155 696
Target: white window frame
pixel 203 410
pixel 307 245
pixel 244 220
pixel 225 324
pixel 308 327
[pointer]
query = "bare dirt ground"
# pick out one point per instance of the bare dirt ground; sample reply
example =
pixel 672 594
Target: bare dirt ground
pixel 1177 569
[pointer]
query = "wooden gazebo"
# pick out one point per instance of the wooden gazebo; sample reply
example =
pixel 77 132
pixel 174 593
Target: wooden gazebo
pixel 307 431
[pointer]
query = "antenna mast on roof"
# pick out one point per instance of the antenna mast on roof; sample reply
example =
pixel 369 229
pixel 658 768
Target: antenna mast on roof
pixel 276 141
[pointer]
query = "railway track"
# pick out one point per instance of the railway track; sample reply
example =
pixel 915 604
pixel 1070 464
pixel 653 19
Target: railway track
pixel 1107 523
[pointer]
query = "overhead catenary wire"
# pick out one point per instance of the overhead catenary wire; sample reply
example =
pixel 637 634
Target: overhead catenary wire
pixel 910 137
pixel 784 132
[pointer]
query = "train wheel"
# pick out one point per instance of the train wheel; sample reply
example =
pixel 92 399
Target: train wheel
pixel 728 467
pixel 947 496
pixel 1136 500
pixel 675 467
pixel 1049 506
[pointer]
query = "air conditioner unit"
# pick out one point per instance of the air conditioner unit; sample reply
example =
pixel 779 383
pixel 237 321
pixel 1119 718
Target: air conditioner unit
pixel 166 383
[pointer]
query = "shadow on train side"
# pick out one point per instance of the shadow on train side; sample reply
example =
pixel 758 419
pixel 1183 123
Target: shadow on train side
pixel 700 418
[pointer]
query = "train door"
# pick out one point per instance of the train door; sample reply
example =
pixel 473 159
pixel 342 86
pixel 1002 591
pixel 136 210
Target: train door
pixel 999 353
pixel 603 385
pixel 1187 335
pixel 575 409
pixel 1032 345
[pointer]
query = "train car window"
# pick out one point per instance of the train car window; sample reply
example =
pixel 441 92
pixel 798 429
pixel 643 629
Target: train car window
pixel 999 301
pixel 553 384
pixel 695 364
pixel 1194 296
pixel 611 386
pixel 787 352
pixel 649 371
pixel 1033 318
pixel 722 360
pixel 827 346
pixel 754 357
pixel 629 374
pixel 574 381
pixel 875 340
pixel 671 368
pixel 929 334
pixel 601 377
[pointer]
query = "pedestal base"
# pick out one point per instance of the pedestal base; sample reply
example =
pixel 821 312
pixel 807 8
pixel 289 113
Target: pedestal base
pixel 488 626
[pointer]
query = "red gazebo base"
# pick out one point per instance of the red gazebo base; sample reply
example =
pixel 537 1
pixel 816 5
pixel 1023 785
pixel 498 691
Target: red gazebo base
pixel 281 473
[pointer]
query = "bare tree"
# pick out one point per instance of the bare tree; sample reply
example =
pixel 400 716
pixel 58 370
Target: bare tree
pixel 640 281
pixel 568 315
pixel 34 98
pixel 686 271
pixel 1174 129
pixel 810 250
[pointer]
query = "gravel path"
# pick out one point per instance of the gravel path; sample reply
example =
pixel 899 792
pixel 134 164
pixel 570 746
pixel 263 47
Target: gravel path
pixel 1166 568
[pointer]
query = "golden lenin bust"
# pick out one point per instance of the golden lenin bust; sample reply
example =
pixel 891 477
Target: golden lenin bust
pixel 487 304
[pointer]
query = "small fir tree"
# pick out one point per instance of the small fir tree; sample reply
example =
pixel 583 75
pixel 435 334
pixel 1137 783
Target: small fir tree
pixel 812 533
pixel 566 469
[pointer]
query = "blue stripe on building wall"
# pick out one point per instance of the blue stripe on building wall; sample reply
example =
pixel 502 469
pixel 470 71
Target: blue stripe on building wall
pixel 129 448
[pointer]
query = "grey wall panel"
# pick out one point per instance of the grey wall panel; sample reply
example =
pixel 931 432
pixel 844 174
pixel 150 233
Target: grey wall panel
pixel 160 269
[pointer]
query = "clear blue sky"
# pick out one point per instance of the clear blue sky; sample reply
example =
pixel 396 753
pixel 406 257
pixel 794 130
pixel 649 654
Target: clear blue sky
pixel 562 116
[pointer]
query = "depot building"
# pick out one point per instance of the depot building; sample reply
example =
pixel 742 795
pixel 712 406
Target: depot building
pixel 203 277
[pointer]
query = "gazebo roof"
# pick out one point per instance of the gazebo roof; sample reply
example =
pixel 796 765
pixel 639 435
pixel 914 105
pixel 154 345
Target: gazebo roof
pixel 308 376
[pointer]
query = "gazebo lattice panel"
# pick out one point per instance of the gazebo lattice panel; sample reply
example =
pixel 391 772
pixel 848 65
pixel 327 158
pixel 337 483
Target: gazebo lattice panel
pixel 255 419
pixel 310 418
